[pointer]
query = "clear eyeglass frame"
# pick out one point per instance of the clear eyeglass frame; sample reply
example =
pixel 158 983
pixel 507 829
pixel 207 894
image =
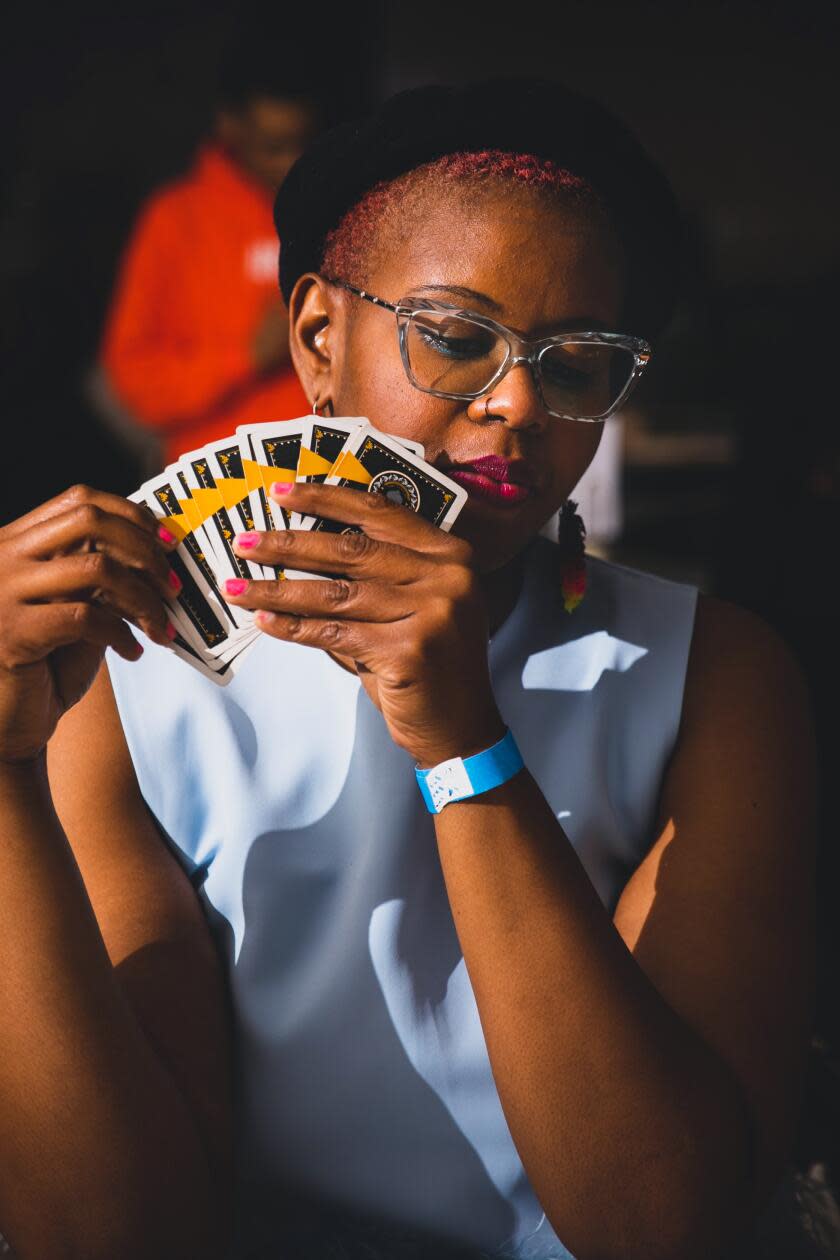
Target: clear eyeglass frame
pixel 520 349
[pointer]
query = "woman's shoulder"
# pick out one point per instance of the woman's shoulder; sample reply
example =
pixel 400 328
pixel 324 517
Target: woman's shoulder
pixel 737 647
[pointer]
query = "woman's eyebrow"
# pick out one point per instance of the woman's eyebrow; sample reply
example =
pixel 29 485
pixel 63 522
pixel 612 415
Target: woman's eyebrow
pixel 590 322
pixel 460 290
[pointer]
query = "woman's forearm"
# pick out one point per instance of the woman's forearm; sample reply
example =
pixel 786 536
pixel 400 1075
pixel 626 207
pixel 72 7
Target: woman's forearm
pixel 635 1135
pixel 99 1156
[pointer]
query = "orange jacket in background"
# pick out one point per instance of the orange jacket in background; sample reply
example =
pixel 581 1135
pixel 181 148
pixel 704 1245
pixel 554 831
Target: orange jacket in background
pixel 196 280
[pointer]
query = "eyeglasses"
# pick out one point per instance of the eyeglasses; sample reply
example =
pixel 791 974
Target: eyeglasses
pixel 455 353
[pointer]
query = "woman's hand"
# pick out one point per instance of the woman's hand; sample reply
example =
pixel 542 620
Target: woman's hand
pixel 407 610
pixel 72 570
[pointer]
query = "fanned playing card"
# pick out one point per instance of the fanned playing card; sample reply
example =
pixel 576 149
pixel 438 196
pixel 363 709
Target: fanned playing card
pixel 225 461
pixel 380 464
pixel 322 442
pixel 203 633
pixel 274 450
pixel 217 524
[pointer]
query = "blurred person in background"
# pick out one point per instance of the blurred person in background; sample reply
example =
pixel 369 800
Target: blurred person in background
pixel 196 339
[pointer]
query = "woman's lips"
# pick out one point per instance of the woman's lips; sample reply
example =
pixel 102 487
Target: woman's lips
pixel 501 493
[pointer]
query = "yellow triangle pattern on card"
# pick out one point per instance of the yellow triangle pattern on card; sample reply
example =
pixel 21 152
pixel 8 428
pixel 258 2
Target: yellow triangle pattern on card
pixel 252 472
pixel 348 466
pixel 191 514
pixel 311 464
pixel 270 475
pixel 207 501
pixel 178 525
pixel 233 490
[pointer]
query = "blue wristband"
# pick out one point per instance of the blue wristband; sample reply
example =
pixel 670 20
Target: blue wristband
pixel 460 778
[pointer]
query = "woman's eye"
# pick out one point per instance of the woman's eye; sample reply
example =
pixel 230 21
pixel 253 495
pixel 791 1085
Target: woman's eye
pixel 564 374
pixel 455 347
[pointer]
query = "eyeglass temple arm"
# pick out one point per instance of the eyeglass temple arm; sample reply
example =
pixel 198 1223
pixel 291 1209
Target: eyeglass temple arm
pixel 368 297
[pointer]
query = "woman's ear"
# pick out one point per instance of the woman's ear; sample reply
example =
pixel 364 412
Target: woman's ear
pixel 313 337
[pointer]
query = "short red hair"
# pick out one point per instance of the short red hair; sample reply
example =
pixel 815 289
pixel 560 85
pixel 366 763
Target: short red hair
pixel 347 248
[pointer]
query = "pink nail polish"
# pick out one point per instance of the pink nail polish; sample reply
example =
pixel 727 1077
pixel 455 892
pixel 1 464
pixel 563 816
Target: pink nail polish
pixel 174 581
pixel 247 540
pixel 164 534
pixel 235 586
pixel 170 630
pixel 281 487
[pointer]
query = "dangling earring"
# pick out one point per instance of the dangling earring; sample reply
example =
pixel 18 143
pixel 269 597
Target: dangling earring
pixel 327 405
pixel 571 532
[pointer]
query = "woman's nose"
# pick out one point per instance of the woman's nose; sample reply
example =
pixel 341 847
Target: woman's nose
pixel 514 399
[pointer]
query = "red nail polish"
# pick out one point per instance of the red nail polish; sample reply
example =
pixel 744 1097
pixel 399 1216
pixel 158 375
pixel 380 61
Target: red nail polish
pixel 174 581
pixel 281 487
pixel 164 534
pixel 170 630
pixel 247 540
pixel 235 586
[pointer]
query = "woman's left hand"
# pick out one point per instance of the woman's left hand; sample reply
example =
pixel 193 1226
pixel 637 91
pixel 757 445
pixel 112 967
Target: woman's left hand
pixel 407 610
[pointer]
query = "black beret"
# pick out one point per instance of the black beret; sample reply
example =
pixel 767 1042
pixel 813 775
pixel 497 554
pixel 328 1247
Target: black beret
pixel 519 115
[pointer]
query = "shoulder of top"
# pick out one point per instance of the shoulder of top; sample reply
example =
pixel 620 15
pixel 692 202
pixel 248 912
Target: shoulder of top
pixel 611 570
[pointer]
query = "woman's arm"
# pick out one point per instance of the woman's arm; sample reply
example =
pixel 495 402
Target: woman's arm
pixel 650 1067
pixel 114 1123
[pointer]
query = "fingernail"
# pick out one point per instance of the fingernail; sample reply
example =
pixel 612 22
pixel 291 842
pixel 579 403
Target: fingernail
pixel 281 487
pixel 174 581
pixel 235 586
pixel 247 540
pixel 170 630
pixel 138 650
pixel 164 534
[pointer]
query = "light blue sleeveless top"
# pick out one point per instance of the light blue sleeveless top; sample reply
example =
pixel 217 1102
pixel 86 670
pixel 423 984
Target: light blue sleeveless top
pixel 362 1073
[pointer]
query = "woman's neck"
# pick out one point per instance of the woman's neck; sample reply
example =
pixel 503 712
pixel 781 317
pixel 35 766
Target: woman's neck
pixel 501 591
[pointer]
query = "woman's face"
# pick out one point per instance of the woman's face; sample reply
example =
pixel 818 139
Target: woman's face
pixel 535 268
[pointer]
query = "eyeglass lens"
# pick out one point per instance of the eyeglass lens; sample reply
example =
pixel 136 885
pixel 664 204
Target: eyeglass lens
pixel 454 355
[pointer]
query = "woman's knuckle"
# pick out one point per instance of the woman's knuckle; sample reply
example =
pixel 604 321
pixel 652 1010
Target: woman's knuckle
pixel 81 617
pixel 332 632
pixel 79 494
pixel 461 582
pixel 354 546
pixel 438 612
pixel 463 551
pixel 97 568
pixel 282 541
pixel 377 503
pixel 89 518
pixel 339 593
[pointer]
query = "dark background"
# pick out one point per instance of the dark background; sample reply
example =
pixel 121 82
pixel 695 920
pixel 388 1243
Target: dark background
pixel 738 102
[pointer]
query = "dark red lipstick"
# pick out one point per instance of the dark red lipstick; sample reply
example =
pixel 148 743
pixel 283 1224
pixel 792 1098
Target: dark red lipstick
pixel 505 482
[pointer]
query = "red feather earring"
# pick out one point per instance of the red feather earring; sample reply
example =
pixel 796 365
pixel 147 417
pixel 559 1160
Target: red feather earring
pixel 571 533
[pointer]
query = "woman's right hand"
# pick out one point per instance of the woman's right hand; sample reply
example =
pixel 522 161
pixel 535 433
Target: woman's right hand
pixel 74 571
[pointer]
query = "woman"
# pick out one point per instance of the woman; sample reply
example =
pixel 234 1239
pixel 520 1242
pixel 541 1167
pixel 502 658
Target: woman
pixel 565 1015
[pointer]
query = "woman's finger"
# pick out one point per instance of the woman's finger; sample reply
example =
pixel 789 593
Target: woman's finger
pixel 96 576
pixel 89 528
pixel 361 641
pixel 356 601
pixel 377 516
pixel 41 628
pixel 78 496
pixel 357 554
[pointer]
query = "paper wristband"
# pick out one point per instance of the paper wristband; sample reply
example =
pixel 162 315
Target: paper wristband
pixel 460 778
